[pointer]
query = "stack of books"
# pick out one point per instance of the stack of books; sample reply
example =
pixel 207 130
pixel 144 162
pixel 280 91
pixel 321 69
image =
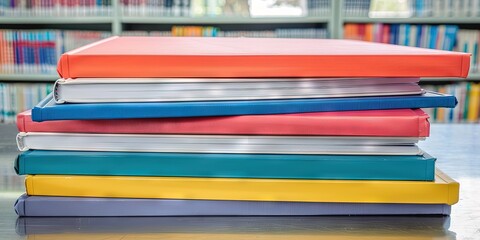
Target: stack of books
pixel 159 126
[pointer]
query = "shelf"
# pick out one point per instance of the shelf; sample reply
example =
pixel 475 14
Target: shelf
pixel 416 20
pixel 28 77
pixel 221 20
pixel 55 20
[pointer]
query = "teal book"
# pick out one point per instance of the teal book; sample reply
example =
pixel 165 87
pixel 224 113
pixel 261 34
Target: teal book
pixel 420 168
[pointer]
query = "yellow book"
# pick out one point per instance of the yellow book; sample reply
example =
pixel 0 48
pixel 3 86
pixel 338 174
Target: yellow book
pixel 473 103
pixel 443 190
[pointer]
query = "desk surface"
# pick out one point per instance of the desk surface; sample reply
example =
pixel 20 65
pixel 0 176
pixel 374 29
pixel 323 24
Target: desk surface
pixel 457 148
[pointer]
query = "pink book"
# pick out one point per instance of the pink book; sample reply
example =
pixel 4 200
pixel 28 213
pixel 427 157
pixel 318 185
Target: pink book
pixel 394 123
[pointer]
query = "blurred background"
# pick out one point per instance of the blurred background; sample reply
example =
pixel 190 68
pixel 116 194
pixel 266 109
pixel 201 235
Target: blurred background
pixel 33 34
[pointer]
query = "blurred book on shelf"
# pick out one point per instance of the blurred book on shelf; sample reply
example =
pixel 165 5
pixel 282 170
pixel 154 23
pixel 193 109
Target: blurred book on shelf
pixel 444 37
pixel 411 8
pixel 426 36
pixel 210 31
pixel 51 8
pixel 356 8
pixel 18 97
pixel 448 8
pixel 467 110
pixel 215 8
pixel 38 51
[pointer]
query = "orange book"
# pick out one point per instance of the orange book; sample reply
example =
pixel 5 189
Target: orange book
pixel 2 51
pixel 350 31
pixel 256 57
pixel 369 32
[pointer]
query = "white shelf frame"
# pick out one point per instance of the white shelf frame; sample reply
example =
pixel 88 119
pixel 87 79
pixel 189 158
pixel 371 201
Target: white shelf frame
pixel 28 77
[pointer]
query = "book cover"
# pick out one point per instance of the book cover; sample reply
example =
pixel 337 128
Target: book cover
pixel 47 110
pixel 407 122
pixel 180 143
pixel 40 206
pixel 443 190
pixel 113 90
pixel 273 166
pixel 256 57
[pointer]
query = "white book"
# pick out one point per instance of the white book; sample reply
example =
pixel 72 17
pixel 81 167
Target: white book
pixel 475 8
pixel 440 43
pixel 89 90
pixel 457 8
pixel 436 8
pixel 413 36
pixel 449 7
pixel 220 143
pixel 466 8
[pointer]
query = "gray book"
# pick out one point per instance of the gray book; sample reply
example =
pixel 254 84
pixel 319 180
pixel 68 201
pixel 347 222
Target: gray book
pixel 39 206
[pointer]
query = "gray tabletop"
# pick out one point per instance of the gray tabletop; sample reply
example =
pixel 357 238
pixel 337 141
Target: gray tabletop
pixel 457 148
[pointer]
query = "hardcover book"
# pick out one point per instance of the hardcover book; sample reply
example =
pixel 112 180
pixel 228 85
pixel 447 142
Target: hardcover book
pixel 261 144
pixel 414 168
pixel 48 110
pixel 96 90
pixel 256 57
pixel 387 123
pixel 443 190
pixel 40 206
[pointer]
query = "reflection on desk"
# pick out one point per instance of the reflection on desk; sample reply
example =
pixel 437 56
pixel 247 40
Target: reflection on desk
pixel 373 227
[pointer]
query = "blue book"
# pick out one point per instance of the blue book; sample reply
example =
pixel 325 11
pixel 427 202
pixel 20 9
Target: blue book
pixel 273 166
pixel 48 110
pixel 433 37
pixel 147 214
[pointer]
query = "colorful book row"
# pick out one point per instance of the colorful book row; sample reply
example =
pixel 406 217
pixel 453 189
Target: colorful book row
pixel 207 31
pixel 427 36
pixel 19 8
pixel 468 108
pixel 38 51
pixel 444 37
